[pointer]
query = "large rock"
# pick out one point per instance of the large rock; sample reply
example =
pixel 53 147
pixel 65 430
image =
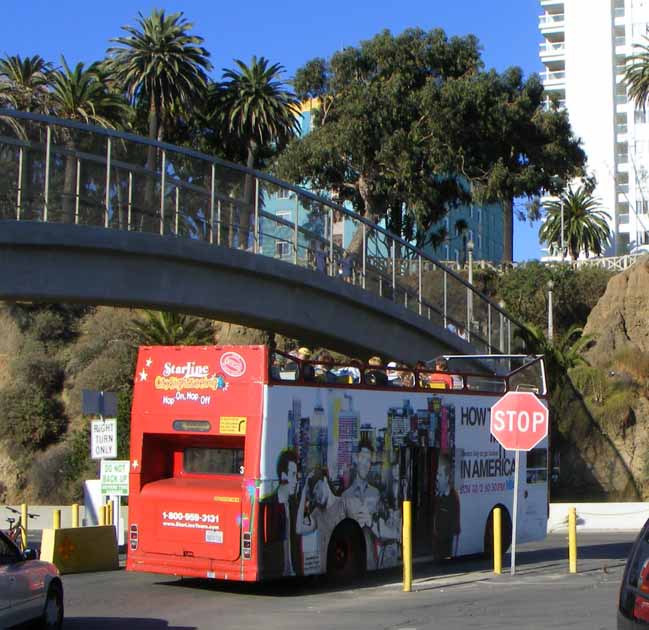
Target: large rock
pixel 620 320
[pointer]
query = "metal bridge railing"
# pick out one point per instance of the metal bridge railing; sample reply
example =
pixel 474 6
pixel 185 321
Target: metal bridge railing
pixel 61 171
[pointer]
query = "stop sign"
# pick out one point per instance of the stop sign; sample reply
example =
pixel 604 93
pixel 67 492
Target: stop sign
pixel 519 421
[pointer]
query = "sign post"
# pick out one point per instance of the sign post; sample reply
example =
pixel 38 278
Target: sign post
pixel 103 438
pixel 114 483
pixel 103 447
pixel 519 421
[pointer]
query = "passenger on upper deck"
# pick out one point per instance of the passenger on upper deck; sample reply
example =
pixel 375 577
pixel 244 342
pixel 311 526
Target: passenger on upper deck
pixel 323 371
pixel 304 354
pixel 376 376
pixel 423 377
pixel 440 379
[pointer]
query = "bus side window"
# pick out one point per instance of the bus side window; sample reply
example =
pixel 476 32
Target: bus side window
pixel 537 465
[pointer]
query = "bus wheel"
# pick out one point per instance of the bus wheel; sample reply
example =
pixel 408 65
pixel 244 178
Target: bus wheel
pixel 505 534
pixel 346 553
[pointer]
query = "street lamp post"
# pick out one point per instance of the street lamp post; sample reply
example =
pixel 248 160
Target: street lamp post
pixel 563 249
pixel 502 326
pixel 469 301
pixel 550 314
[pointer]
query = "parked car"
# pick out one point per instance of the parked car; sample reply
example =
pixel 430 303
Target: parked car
pixel 633 608
pixel 29 589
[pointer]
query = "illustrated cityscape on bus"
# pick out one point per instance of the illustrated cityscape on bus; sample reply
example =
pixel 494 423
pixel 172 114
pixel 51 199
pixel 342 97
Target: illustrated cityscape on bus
pixel 336 463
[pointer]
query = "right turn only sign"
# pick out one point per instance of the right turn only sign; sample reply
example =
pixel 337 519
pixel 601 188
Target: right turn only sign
pixel 519 421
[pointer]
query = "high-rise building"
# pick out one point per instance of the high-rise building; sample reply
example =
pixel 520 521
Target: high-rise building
pixel 585 49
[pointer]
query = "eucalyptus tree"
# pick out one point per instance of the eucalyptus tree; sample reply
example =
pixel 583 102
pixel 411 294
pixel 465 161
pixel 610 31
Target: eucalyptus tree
pixel 413 124
pixel 501 138
pixel 585 224
pixel 369 145
pixel 257 111
pixel 81 94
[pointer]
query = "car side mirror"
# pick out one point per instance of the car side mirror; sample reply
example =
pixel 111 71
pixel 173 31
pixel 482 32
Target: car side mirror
pixel 30 554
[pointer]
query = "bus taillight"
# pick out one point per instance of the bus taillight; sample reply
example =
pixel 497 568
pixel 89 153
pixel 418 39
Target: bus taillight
pixel 247 546
pixel 133 537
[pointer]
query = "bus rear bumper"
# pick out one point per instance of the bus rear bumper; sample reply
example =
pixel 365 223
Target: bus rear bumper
pixel 238 570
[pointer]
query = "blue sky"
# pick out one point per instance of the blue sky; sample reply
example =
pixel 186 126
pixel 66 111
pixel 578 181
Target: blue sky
pixel 288 32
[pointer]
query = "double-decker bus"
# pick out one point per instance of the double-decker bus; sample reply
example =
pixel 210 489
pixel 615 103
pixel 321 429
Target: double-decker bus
pixel 248 464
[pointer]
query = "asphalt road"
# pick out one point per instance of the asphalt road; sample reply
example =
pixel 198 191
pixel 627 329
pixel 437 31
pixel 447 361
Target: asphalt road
pixel 459 594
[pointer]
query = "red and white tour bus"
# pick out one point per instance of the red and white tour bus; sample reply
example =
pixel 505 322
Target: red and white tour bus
pixel 248 464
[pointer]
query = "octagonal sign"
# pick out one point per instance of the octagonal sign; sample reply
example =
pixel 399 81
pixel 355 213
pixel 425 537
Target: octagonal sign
pixel 519 421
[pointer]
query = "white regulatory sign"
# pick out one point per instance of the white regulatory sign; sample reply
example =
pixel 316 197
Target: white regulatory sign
pixel 114 477
pixel 103 439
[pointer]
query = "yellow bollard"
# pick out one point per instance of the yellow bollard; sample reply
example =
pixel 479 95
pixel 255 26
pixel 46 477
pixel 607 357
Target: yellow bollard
pixel 572 539
pixel 407 547
pixel 56 519
pixel 498 551
pixel 75 515
pixel 23 521
pixel 102 515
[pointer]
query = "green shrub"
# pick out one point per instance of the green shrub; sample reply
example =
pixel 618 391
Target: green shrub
pixel 38 368
pixel 78 465
pixel 591 382
pixel 615 411
pixel 49 323
pixel 576 291
pixel 124 402
pixel 30 419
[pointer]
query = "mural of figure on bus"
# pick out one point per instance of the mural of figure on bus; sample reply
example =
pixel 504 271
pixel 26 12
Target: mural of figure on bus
pixel 319 512
pixel 446 516
pixel 282 553
pixel 386 527
pixel 362 497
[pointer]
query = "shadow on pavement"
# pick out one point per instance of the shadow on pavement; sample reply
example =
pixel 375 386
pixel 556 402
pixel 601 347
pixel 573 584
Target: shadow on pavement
pixel 120 623
pixel 466 569
pixel 603 551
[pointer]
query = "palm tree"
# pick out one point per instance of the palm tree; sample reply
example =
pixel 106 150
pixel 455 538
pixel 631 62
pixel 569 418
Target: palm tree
pixel 636 75
pixel 162 68
pixel 253 105
pixel 160 65
pixel 81 94
pixel 23 83
pixel 161 328
pixel 585 225
pixel 561 353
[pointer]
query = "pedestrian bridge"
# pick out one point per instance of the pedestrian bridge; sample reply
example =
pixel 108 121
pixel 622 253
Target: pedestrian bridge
pixel 96 216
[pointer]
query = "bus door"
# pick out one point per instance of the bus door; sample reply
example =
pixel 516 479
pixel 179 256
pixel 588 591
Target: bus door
pixel 418 470
pixel 196 511
pixel 534 496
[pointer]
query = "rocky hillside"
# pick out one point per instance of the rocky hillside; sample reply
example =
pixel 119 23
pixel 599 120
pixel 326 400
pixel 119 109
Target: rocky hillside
pixel 612 438
pixel 620 320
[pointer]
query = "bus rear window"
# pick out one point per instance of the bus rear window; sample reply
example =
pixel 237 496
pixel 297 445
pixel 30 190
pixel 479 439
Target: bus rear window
pixel 213 461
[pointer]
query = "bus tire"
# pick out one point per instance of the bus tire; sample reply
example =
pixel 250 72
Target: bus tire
pixel 346 555
pixel 506 532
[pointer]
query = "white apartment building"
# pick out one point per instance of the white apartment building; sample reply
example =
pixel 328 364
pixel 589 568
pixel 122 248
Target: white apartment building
pixel 585 47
